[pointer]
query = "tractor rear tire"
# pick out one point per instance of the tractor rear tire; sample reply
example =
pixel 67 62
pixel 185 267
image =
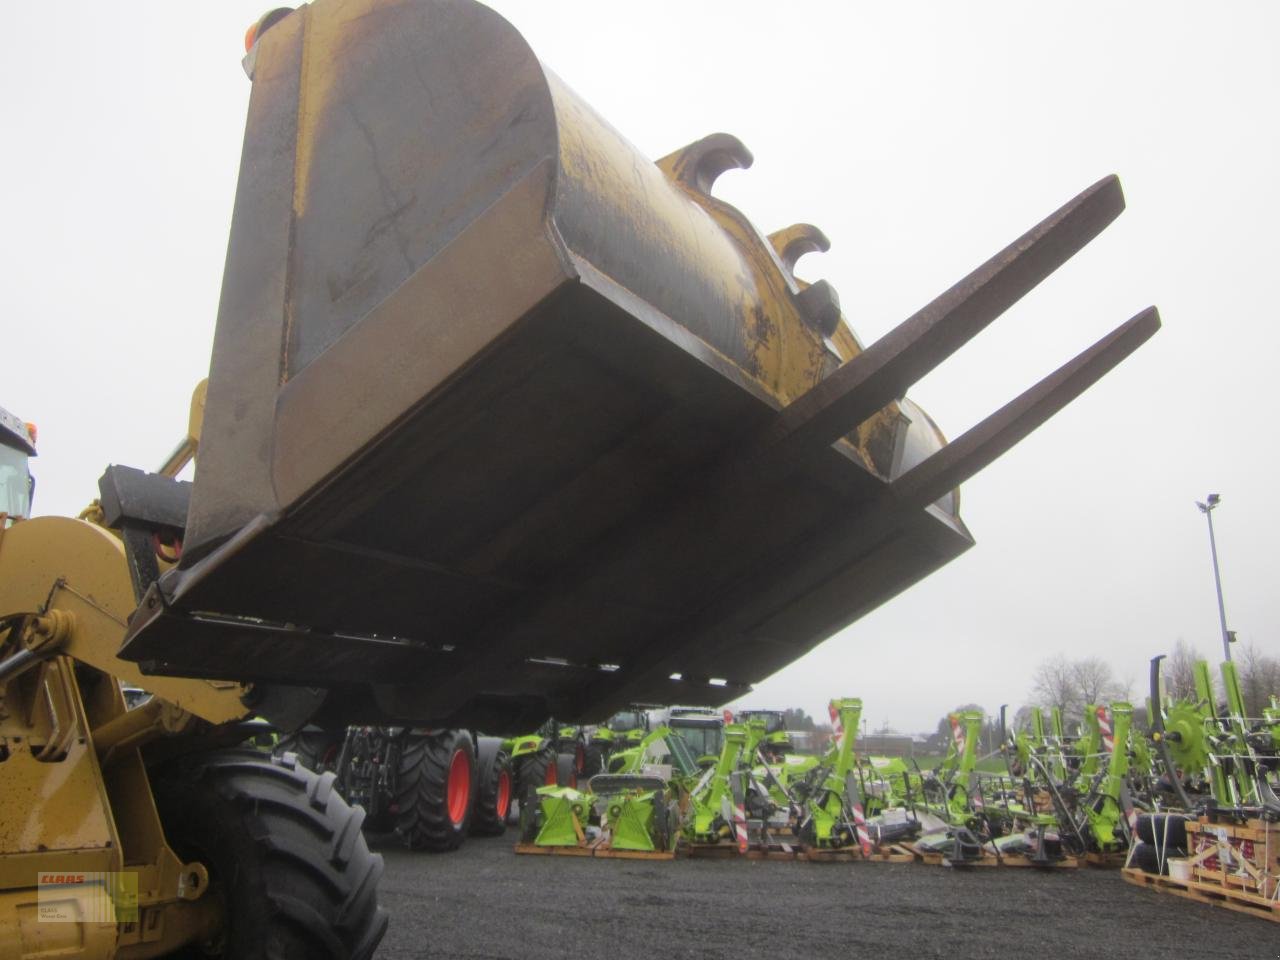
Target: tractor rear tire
pixel 435 790
pixel 494 789
pixel 284 852
pixel 535 770
pixel 567 770
pixel 593 760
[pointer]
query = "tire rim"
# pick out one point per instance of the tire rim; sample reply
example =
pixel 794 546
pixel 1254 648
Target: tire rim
pixel 550 780
pixel 459 789
pixel 504 794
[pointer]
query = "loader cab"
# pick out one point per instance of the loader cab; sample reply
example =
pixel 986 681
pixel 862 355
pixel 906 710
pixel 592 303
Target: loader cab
pixel 17 486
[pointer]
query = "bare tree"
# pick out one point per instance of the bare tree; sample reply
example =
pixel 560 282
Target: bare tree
pixel 1095 682
pixel 1259 678
pixel 1178 672
pixel 1052 685
pixel 1070 684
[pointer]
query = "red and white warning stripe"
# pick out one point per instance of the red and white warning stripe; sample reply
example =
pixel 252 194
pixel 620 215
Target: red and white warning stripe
pixel 1131 815
pixel 740 825
pixel 860 825
pixel 957 732
pixel 1104 724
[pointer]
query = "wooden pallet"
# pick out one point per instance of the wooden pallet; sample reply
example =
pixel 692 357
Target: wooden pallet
pixel 1206 893
pixel 893 853
pixel 597 849
pixel 1108 861
pixel 991 858
pixel 729 851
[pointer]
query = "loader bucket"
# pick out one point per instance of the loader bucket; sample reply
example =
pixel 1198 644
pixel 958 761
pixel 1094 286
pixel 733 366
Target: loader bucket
pixel 505 420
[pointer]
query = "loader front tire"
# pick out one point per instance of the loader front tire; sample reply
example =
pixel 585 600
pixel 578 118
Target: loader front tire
pixel 435 790
pixel 284 852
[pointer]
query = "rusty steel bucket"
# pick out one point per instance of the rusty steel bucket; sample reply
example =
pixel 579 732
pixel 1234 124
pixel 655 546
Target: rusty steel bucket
pixel 505 420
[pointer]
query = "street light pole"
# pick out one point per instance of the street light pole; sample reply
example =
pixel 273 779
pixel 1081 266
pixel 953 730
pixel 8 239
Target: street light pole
pixel 1207 509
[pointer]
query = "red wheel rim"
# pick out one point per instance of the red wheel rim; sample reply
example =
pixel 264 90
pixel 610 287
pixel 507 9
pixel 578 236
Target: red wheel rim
pixel 550 779
pixel 504 794
pixel 459 788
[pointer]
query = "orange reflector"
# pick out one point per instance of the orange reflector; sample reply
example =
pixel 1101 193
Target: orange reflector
pixel 31 432
pixel 251 37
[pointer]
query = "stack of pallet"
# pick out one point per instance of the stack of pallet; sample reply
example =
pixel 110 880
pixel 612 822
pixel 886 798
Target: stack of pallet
pixel 1229 863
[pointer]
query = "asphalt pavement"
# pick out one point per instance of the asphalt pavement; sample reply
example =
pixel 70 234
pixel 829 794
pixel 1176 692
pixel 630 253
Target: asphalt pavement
pixel 485 901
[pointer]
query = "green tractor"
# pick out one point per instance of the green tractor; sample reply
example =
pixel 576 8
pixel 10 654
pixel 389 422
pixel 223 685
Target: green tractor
pixel 702 731
pixel 433 788
pixel 622 731
pixel 537 762
pixel 777 738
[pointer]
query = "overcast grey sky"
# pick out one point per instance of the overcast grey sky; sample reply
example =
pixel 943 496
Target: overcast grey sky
pixel 921 137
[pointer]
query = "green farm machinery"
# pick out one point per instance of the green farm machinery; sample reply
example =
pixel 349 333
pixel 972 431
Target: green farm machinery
pixel 634 810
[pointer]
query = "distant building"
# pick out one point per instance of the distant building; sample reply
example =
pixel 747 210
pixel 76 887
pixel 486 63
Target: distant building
pixel 886 745
pixel 806 741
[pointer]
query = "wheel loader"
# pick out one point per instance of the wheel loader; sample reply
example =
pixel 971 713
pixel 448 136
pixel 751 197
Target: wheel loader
pixel 504 421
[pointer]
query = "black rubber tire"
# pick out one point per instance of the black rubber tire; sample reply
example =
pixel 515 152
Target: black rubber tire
pixel 808 833
pixel 284 852
pixel 593 760
pixel 566 770
pixel 530 819
pixel 1163 829
pixel 317 749
pixel 423 818
pixel 661 825
pixel 532 771
pixel 491 809
pixel 1146 857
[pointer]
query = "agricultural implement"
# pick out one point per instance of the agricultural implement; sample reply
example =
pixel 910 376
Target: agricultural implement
pixel 660 467
pixel 1217 840
pixel 971 818
pixel 632 812
pixel 834 815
